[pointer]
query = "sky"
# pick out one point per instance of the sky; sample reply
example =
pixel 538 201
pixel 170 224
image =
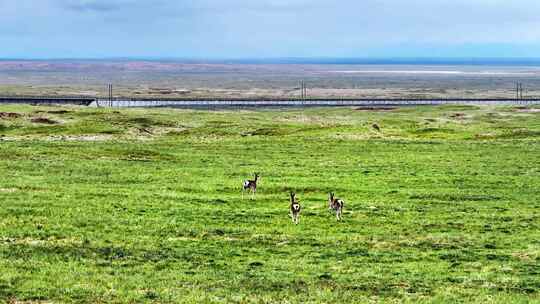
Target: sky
pixel 219 29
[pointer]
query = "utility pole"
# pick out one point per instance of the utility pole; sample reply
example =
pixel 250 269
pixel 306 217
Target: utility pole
pixel 519 90
pixel 110 88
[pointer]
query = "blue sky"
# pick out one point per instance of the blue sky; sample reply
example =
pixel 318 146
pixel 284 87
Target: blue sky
pixel 269 28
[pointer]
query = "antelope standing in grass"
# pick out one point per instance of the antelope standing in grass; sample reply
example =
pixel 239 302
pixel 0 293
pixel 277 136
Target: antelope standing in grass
pixel 336 205
pixel 251 185
pixel 295 209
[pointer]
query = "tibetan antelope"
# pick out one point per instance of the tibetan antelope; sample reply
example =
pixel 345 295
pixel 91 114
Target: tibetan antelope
pixel 295 209
pixel 337 205
pixel 251 185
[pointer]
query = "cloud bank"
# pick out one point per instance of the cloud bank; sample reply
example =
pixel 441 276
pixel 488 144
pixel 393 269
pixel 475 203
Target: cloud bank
pixel 269 28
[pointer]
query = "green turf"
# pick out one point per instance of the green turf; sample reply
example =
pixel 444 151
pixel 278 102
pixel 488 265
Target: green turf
pixel 109 205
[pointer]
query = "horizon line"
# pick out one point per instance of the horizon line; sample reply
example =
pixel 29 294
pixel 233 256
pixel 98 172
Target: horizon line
pixel 298 60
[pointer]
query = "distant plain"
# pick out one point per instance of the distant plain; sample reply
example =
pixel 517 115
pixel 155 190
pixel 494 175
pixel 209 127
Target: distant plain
pixel 171 79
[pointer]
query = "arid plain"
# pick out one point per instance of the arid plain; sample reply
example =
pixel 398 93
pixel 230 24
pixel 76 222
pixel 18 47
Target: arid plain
pixel 174 79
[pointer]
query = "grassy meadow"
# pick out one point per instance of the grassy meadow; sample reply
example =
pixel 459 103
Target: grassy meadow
pixel 442 205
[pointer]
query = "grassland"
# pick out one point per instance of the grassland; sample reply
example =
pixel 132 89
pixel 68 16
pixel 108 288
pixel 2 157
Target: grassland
pixel 122 206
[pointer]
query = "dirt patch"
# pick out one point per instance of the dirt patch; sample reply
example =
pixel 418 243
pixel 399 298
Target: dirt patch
pixel 458 115
pixel 43 120
pixel 9 115
pixel 526 256
pixel 86 138
pixel 354 136
pixel 309 119
pixel 167 131
pixel 58 112
pixel 81 138
pixel 490 135
pixel 52 112
pixel 375 109
pixel 145 131
pixel 267 132
pixel 527 110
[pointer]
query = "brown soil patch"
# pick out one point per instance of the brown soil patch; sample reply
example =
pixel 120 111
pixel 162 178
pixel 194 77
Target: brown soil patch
pixel 80 138
pixel 43 120
pixel 458 115
pixel 9 115
pixel 52 112
pixel 527 110
pixel 58 112
pixel 375 108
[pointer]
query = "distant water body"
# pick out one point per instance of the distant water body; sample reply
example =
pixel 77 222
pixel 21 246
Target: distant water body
pixel 393 61
pixel 417 68
pixel 456 71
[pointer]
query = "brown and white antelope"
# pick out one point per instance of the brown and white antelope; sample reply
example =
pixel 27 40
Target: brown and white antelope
pixel 295 209
pixel 251 185
pixel 336 205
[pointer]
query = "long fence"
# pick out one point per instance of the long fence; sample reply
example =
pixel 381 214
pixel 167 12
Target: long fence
pixel 47 100
pixel 241 103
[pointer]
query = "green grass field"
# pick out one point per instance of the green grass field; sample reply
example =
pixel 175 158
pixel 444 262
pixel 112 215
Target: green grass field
pixel 137 205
